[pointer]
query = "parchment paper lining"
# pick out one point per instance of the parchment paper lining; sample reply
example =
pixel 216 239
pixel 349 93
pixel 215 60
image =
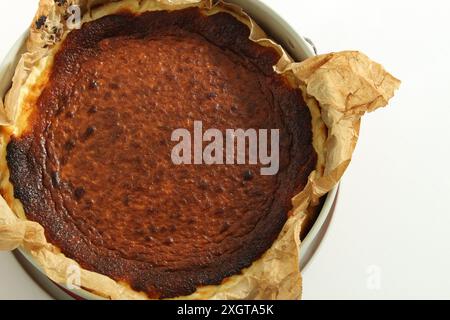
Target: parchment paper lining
pixel 339 89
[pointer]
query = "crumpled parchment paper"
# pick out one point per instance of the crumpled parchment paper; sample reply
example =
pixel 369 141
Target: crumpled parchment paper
pixel 339 89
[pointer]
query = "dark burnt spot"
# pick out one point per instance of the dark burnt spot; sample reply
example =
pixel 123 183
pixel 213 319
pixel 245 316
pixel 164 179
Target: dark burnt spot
pixel 40 22
pixel 89 132
pixel 211 95
pixel 70 145
pixel 79 193
pixel 56 179
pixel 248 175
pixel 93 110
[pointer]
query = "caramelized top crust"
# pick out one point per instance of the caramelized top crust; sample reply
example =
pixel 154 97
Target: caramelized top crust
pixel 95 169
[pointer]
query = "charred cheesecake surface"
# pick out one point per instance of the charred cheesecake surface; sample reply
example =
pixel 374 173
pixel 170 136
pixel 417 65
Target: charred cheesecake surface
pixel 94 166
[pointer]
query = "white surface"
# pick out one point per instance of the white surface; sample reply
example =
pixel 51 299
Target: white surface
pixel 390 234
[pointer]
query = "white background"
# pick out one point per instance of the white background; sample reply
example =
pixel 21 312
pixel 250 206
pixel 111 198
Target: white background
pixel 393 214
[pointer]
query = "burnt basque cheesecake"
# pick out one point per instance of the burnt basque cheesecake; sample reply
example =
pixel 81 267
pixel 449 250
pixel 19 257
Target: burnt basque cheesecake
pixel 94 167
